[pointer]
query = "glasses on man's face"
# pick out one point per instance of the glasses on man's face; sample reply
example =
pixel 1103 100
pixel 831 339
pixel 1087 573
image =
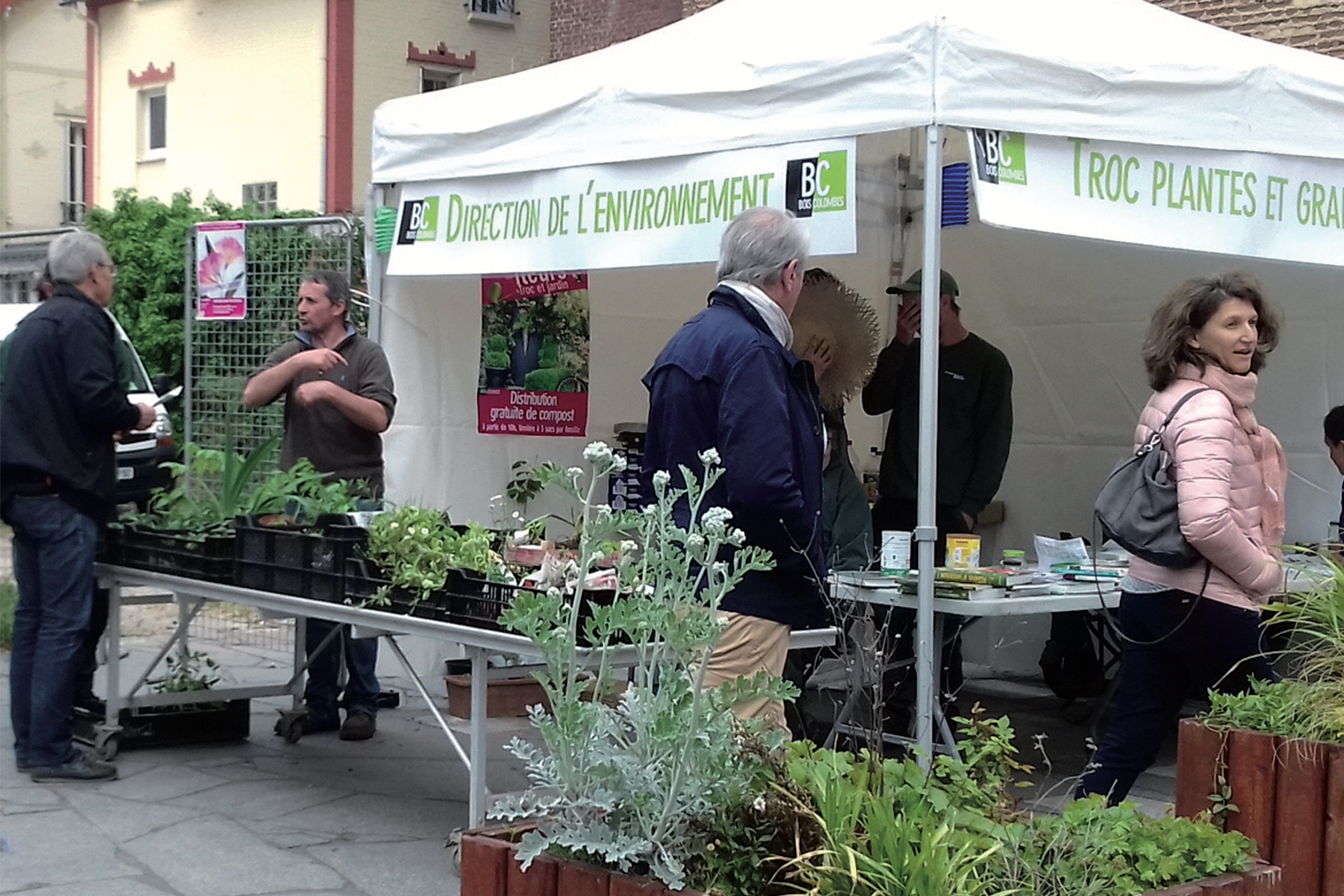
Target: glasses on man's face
pixel 112 268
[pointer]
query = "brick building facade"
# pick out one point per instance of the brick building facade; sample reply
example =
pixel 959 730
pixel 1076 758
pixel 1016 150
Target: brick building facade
pixel 581 26
pixel 1316 25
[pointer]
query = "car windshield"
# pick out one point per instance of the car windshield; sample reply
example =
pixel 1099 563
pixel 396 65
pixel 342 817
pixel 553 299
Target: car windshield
pixel 130 371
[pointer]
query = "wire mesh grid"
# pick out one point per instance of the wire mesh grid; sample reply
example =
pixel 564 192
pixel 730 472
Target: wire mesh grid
pixel 222 354
pixel 236 625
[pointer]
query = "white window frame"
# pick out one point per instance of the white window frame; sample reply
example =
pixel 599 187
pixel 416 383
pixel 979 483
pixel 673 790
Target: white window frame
pixel 149 152
pixel 452 78
pixel 76 158
pixel 494 12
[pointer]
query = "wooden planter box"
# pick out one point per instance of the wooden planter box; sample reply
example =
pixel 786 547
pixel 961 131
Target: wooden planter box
pixel 490 869
pixel 1289 795
pixel 505 698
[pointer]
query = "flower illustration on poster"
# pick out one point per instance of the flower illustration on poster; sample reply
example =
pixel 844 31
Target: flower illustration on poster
pixel 221 270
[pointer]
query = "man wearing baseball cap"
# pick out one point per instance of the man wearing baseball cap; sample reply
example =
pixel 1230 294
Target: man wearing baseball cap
pixel 975 425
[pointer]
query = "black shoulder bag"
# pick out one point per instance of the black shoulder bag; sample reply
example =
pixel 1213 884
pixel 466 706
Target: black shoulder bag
pixel 1137 504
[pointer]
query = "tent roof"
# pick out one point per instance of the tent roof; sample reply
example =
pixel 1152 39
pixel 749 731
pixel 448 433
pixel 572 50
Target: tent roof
pixel 762 72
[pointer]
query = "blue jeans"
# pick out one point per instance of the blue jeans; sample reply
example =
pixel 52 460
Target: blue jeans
pixel 324 674
pixel 1219 646
pixel 54 547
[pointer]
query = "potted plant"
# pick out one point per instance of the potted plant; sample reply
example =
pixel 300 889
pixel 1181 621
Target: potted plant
pixel 496 362
pixel 1270 762
pixel 628 782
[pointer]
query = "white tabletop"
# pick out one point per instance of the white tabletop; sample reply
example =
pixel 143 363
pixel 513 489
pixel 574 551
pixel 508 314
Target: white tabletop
pixel 871 588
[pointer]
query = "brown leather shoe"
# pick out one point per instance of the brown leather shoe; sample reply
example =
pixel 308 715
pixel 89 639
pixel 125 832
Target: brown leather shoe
pixel 358 726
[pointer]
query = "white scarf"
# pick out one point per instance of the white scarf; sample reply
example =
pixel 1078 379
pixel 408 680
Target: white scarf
pixel 773 315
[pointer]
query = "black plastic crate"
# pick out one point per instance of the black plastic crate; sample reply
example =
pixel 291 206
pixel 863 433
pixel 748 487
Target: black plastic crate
pixel 299 561
pixel 208 557
pixel 479 603
pixel 165 726
pixel 363 582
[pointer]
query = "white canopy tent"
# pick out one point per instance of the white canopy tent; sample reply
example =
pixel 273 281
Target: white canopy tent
pixel 758 73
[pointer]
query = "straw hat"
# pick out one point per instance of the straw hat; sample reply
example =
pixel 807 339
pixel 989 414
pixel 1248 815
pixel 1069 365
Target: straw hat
pixel 828 309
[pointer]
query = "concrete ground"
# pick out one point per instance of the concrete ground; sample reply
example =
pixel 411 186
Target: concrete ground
pixel 324 817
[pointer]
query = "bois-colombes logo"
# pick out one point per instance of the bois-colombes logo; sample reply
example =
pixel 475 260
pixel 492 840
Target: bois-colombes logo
pixel 419 221
pixel 1000 157
pixel 818 184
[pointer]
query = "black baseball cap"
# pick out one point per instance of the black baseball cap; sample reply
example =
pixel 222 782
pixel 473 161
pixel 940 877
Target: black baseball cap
pixel 947 286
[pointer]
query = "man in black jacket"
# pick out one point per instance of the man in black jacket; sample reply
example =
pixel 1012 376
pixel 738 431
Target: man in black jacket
pixel 61 404
pixel 975 429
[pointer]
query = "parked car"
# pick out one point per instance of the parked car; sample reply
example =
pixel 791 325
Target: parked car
pixel 140 452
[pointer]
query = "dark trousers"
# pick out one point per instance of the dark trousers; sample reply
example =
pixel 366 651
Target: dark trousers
pixel 898 624
pixel 324 675
pixel 88 651
pixel 54 547
pixel 1218 646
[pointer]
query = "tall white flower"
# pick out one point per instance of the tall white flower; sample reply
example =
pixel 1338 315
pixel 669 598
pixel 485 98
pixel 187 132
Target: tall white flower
pixel 710 457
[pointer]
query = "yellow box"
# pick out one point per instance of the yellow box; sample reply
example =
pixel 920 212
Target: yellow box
pixel 963 551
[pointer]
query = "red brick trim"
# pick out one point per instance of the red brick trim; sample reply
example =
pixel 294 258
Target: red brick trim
pixel 151 75
pixel 340 105
pixel 439 56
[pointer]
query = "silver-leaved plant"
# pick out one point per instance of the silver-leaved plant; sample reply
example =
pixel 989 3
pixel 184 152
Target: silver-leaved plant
pixel 629 767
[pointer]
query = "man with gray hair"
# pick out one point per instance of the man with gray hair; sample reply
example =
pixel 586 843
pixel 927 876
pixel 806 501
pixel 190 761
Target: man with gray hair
pixel 61 403
pixel 728 381
pixel 339 399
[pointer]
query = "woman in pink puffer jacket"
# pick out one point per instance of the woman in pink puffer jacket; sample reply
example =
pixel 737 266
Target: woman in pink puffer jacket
pixel 1200 626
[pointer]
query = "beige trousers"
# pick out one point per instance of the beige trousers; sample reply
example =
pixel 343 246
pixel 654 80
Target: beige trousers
pixel 750 644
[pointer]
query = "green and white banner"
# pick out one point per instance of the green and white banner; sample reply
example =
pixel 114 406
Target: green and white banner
pixel 660 211
pixel 1238 203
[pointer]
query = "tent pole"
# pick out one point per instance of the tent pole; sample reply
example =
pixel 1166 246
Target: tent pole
pixel 928 655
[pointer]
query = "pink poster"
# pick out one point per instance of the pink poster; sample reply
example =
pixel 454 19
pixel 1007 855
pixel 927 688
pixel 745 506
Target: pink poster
pixel 534 355
pixel 221 270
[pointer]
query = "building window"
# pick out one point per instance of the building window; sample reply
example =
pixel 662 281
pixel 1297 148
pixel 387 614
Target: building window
pixel 72 202
pixel 261 196
pixel 501 12
pixel 437 79
pixel 154 118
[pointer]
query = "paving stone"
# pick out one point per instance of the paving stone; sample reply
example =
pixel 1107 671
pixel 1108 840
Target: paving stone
pixel 121 819
pixel 371 817
pixel 36 851
pixel 122 886
pixel 219 857
pixel 258 799
pixel 159 782
pixel 405 868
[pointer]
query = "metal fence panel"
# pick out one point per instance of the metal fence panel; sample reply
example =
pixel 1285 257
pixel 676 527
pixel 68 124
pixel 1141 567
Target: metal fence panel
pixel 222 354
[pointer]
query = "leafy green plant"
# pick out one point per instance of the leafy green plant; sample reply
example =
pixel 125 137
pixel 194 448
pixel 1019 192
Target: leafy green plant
pixel 497 352
pixel 1093 850
pixel 212 487
pixel 416 548
pixel 9 599
pixel 628 779
pixel 1310 704
pixel 188 670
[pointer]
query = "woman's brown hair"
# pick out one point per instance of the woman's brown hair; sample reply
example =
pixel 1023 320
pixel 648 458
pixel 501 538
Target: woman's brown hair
pixel 1167 347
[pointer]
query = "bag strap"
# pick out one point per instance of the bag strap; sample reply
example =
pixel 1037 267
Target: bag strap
pixel 1184 398
pixel 1156 435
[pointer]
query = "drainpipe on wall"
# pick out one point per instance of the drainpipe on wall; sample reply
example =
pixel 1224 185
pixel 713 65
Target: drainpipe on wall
pixel 6 214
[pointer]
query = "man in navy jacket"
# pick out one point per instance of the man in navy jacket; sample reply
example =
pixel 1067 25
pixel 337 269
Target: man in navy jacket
pixel 728 381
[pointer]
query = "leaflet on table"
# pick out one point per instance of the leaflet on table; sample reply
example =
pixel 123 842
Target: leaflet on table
pixel 1053 551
